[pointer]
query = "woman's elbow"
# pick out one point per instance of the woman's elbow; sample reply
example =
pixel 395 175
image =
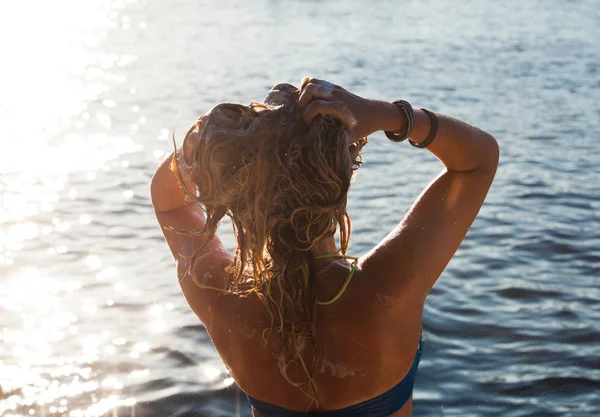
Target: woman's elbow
pixel 492 150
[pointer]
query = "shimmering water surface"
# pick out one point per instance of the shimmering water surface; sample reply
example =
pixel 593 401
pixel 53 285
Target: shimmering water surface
pixel 92 321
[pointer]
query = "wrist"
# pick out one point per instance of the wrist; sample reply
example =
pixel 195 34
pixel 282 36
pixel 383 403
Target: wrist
pixel 391 118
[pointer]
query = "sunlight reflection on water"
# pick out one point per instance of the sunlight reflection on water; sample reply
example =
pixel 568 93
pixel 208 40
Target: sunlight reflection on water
pixel 53 366
pixel 42 378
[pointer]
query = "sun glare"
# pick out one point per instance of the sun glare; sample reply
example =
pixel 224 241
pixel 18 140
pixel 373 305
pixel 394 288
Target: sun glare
pixel 56 127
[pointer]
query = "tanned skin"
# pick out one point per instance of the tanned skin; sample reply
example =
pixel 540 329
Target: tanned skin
pixel 371 333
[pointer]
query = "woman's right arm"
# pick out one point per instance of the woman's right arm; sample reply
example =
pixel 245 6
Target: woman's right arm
pixel 411 258
pixel 459 146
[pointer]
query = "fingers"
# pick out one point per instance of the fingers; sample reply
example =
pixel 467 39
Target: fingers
pixel 312 89
pixel 307 80
pixel 317 98
pixel 335 109
pixel 314 92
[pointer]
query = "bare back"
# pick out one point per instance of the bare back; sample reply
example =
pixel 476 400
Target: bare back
pixel 366 341
pixel 365 346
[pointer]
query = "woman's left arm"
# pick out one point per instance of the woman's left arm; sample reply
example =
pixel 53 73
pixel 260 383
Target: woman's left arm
pixel 166 190
pixel 182 220
pixel 176 210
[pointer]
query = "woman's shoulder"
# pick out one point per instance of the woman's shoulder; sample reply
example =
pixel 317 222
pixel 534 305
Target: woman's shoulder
pixel 372 291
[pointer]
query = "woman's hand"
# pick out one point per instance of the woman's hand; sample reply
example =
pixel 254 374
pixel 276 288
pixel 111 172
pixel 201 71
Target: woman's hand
pixel 363 116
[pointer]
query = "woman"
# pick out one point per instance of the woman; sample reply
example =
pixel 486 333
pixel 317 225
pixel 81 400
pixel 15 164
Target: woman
pixel 302 327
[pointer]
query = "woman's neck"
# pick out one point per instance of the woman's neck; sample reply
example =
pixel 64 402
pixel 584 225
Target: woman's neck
pixel 325 247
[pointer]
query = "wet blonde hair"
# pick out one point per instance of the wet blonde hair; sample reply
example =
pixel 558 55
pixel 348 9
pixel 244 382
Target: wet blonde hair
pixel 284 184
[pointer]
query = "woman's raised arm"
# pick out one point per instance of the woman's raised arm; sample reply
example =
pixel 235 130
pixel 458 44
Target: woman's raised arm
pixel 412 257
pixel 182 221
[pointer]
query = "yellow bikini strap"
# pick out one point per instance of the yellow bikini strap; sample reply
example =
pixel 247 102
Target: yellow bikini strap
pixel 348 278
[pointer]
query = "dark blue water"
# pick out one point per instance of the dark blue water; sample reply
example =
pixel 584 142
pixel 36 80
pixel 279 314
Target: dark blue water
pixel 92 321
